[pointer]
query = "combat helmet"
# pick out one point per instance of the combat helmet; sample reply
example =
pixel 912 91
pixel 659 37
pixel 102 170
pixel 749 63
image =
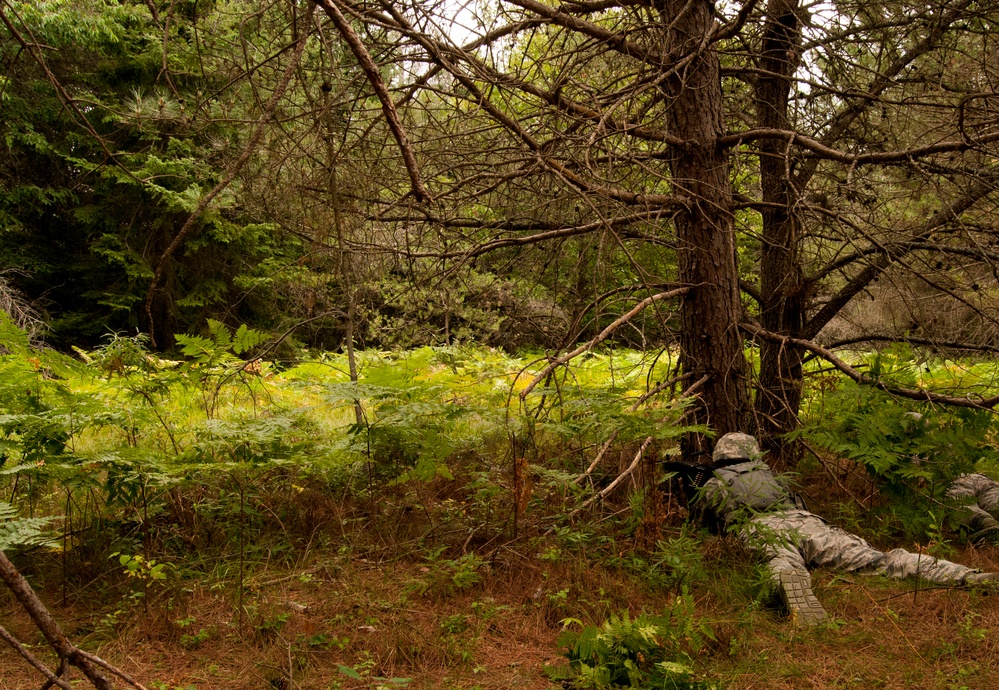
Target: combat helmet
pixel 736 446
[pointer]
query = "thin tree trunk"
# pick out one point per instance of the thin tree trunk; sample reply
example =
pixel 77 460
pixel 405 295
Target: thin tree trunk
pixel 351 359
pixel 346 268
pixel 781 277
pixel 710 342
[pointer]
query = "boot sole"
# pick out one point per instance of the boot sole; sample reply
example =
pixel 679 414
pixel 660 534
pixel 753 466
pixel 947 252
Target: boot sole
pixel 801 602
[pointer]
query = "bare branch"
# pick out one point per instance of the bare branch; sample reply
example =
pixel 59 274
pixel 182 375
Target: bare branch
pixel 53 679
pixel 373 74
pixel 823 152
pixel 927 342
pixel 602 336
pixel 921 395
pixel 723 32
pixel 437 52
pixel 613 39
pixel 604 493
pixel 889 254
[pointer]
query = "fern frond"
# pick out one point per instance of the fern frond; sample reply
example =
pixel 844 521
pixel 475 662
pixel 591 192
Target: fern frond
pixel 18 531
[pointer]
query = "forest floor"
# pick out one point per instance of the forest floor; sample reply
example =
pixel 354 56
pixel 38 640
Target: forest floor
pixel 371 608
pixel 363 613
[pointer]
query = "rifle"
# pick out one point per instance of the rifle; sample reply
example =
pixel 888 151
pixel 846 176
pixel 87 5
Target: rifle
pixel 693 475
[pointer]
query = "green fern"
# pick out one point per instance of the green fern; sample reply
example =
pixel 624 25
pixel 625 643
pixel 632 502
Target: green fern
pixel 245 339
pixel 13 339
pixel 644 652
pixel 221 345
pixel 914 450
pixel 220 334
pixel 17 531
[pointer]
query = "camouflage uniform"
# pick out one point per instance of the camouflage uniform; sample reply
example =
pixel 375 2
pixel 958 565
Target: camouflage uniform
pixel 793 539
pixel 984 511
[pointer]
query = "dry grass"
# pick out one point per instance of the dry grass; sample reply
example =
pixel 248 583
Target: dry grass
pixel 500 632
pixel 391 609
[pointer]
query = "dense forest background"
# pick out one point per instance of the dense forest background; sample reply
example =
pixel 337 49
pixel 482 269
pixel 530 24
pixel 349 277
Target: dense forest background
pixel 517 174
pixel 298 287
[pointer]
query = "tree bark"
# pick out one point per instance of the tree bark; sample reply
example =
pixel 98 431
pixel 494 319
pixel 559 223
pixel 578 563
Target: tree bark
pixel 782 309
pixel 710 342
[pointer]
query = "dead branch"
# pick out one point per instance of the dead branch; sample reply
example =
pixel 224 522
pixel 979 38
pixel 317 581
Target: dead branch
pixel 638 456
pixel 889 254
pixel 919 394
pixel 602 336
pixel 925 342
pixel 596 461
pixel 723 32
pixel 440 54
pixel 111 669
pixel 373 74
pixel 645 396
pixel 45 623
pixel 823 152
pixel 659 388
pixel 620 478
pixel 53 679
pixel 613 39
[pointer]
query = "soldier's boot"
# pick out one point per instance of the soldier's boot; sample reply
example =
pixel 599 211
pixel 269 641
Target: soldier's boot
pixel 801 602
pixel 984 526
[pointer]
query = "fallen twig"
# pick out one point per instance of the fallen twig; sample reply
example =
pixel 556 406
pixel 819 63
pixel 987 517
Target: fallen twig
pixel 88 663
pixel 620 478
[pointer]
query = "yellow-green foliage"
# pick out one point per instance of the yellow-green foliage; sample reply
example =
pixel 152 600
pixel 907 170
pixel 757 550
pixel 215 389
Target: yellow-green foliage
pixel 126 425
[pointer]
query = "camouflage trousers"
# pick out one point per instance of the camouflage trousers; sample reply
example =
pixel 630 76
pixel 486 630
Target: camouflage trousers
pixel 984 501
pixel 796 540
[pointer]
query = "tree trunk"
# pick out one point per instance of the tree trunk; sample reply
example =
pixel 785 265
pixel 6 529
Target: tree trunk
pixel 710 342
pixel 781 278
pixel 345 265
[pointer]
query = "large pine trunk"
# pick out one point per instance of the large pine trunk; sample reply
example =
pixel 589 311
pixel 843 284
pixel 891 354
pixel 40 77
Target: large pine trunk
pixel 710 342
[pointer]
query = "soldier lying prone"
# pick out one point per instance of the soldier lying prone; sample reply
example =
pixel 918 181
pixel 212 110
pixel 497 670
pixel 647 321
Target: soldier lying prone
pixel 740 490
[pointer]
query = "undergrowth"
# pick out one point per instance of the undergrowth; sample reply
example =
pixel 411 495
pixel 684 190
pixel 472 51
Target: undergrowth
pixel 170 498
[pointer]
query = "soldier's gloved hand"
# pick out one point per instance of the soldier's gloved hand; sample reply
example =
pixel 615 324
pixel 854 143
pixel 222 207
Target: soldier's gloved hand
pixel 982 579
pixel 987 533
